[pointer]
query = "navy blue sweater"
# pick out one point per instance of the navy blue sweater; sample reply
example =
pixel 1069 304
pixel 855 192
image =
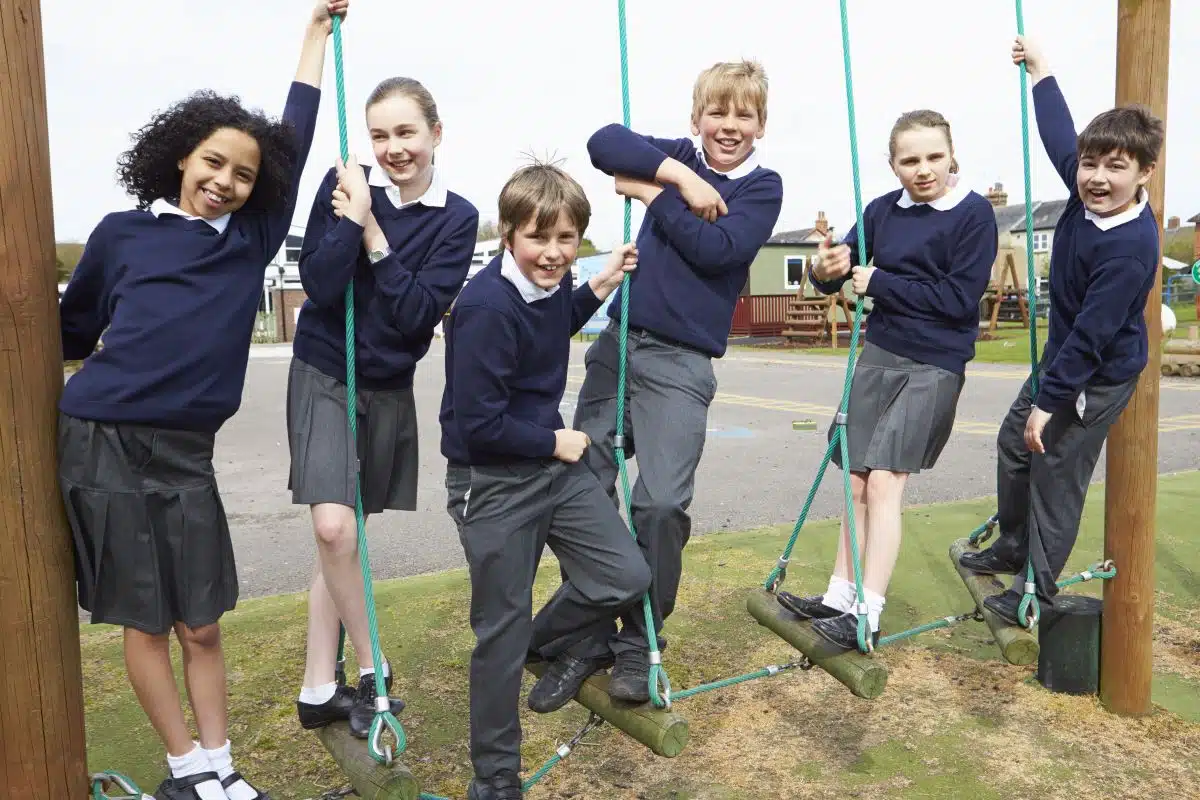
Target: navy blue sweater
pixel 397 302
pixel 176 302
pixel 1099 279
pixel 506 368
pixel 932 268
pixel 690 272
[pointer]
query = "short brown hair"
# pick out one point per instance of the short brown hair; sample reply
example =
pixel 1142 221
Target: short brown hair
pixel 742 84
pixel 1130 129
pixel 542 192
pixel 921 118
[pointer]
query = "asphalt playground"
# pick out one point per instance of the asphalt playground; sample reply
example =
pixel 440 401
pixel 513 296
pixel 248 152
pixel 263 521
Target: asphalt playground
pixel 756 469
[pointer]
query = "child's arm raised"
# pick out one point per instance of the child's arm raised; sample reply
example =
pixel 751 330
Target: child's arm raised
pixel 1054 122
pixel 83 312
pixel 485 358
pixel 617 151
pixel 713 247
pixel 956 294
pixel 300 110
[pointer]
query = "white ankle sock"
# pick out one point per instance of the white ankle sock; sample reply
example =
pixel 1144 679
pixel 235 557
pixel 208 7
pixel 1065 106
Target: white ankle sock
pixel 318 695
pixel 222 761
pixel 875 603
pixel 194 763
pixel 365 671
pixel 839 595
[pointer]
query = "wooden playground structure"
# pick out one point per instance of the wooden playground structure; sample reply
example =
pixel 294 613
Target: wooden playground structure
pixel 814 320
pixel 42 742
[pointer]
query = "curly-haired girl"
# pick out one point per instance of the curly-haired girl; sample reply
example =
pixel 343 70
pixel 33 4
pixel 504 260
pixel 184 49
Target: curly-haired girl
pixel 173 287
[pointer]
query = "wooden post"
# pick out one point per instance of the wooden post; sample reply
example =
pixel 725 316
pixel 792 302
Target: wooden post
pixel 42 750
pixel 1143 33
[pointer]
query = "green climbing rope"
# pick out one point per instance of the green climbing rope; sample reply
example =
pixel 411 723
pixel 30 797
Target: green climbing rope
pixel 658 675
pixel 839 438
pixel 383 715
pixel 103 780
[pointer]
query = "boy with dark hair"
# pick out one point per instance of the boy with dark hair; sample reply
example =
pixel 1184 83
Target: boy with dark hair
pixel 1102 267
pixel 514 479
pixel 710 207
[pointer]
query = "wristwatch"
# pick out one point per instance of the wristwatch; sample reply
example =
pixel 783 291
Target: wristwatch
pixel 375 256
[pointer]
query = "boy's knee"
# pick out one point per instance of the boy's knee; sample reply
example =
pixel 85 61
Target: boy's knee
pixel 205 637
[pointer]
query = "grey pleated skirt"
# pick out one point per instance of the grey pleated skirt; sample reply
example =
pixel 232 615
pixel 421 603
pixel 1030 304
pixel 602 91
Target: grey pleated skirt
pixel 901 413
pixel 323 468
pixel 151 540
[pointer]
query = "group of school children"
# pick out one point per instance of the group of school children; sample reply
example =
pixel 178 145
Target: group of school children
pixel 173 287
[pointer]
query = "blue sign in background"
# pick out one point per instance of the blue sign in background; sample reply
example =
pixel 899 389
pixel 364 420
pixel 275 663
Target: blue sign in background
pixel 589 266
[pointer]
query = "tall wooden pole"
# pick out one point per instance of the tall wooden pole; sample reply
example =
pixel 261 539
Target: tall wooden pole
pixel 41 696
pixel 1126 660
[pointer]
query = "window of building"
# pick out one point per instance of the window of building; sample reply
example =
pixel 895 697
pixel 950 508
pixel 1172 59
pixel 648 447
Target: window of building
pixel 794 267
pixel 1041 241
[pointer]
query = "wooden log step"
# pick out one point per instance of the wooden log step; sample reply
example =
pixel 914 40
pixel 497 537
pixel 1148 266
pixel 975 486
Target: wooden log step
pixel 372 780
pixel 1018 645
pixel 663 731
pixel 864 675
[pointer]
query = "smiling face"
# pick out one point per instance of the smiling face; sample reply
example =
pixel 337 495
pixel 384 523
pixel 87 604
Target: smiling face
pixel 1109 184
pixel 727 133
pixel 544 256
pixel 921 159
pixel 402 140
pixel 219 175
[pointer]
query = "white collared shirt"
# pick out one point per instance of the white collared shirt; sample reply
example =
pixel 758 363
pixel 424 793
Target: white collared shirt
pixel 162 206
pixel 740 171
pixel 530 292
pixel 957 192
pixel 435 195
pixel 1128 215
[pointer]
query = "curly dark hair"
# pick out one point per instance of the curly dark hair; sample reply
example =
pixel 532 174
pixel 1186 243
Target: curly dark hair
pixel 150 169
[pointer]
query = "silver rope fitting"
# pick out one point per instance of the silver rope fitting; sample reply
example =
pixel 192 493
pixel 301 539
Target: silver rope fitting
pixel 564 751
pixel 840 418
pixel 1030 588
pixel 619 441
pixel 656 657
pixel 382 704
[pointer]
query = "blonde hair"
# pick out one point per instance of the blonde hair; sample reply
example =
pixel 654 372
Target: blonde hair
pixel 740 84
pixel 921 118
pixel 542 192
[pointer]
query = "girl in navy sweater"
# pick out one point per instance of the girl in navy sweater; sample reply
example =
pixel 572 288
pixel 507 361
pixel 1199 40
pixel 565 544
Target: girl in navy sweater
pixel 407 243
pixel 174 287
pixel 932 243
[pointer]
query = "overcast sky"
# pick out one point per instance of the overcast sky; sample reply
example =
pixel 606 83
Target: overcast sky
pixel 542 75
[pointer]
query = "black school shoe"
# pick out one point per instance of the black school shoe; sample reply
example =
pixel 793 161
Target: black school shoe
pixel 842 631
pixel 185 788
pixel 630 679
pixel 363 713
pixel 234 777
pixel 807 607
pixel 562 679
pixel 505 785
pixel 986 562
pixel 336 708
pixel 1007 606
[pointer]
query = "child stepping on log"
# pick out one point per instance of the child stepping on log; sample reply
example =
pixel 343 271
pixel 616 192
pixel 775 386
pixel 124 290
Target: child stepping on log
pixel 710 206
pixel 1102 267
pixel 173 288
pixel 406 243
pixel 514 479
pixel 933 242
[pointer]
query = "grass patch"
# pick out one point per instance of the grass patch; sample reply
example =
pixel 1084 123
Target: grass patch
pixel 1009 345
pixel 954 715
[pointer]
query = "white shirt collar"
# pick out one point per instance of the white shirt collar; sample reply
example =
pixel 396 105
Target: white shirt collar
pixel 530 292
pixel 162 206
pixel 957 192
pixel 1128 215
pixel 434 196
pixel 740 171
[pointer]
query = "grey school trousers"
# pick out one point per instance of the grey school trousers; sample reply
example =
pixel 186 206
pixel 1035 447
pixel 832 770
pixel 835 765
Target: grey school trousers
pixel 1040 496
pixel 506 515
pixel 669 388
